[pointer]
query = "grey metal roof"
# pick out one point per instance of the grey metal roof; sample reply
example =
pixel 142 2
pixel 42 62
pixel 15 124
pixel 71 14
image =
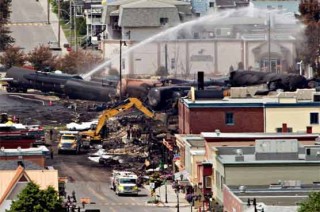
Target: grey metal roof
pixel 147 4
pixel 147 16
pixel 275 197
pixel 225 3
pixel 13 165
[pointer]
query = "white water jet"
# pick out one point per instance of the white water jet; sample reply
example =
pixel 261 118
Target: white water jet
pixel 213 18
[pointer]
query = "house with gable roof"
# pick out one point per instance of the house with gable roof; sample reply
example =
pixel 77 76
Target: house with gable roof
pixel 138 20
pixel 15 175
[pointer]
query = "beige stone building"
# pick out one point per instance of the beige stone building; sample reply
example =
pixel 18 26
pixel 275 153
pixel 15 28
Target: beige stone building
pixel 209 46
pixel 270 162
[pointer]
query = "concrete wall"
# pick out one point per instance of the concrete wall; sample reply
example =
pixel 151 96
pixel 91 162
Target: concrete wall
pixel 228 53
pixel 194 174
pixel 265 175
pixel 140 34
pixel 297 120
pixel 218 168
pixel 231 203
pixel 191 56
pixel 37 159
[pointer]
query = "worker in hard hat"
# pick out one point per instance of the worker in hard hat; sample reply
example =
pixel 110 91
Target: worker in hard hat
pixel 9 122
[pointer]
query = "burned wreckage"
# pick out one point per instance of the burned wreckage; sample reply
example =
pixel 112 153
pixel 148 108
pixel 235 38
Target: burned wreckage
pixel 158 94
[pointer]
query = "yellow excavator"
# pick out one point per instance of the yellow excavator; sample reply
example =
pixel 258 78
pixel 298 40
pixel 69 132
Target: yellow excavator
pixel 94 136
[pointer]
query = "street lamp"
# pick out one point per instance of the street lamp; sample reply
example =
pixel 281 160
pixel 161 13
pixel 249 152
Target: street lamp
pixel 177 192
pixel 166 194
pixel 59 14
pixel 120 67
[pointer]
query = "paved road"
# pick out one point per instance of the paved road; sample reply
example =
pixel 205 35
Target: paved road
pixel 29 24
pixel 86 178
pixel 92 180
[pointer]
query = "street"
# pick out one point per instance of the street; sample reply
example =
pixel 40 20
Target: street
pixel 92 180
pixel 86 178
pixel 29 25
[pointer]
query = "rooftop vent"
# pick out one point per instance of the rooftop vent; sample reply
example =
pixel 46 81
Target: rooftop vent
pixel 242 189
pixel 217 131
pixel 239 155
pixel 20 163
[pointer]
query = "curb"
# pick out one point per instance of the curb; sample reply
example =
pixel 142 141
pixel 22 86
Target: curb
pixel 162 205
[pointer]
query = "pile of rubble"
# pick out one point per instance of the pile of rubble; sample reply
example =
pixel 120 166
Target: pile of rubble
pixel 126 150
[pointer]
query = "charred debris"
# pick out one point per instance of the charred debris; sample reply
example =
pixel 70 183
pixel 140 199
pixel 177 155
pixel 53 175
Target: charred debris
pixel 132 142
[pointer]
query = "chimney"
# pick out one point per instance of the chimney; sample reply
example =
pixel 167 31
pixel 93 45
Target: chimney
pixel 284 128
pixel 200 80
pixel 20 163
pixel 309 130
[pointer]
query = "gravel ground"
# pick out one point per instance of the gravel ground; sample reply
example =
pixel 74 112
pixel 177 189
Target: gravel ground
pixel 45 110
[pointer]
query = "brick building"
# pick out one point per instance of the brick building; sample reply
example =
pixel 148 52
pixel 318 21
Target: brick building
pixel 229 115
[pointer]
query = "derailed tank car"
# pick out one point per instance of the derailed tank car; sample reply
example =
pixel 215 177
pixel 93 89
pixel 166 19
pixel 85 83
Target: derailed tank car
pixel 50 82
pixel 88 90
pixel 24 79
pixel 165 97
pixel 287 82
pixel 19 82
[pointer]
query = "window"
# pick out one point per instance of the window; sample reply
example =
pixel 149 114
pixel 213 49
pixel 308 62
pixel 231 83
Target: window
pixel 208 181
pixel 173 63
pixel 196 35
pixel 163 21
pixel 229 118
pixel 218 178
pixel 314 118
pixel 211 4
pixel 279 130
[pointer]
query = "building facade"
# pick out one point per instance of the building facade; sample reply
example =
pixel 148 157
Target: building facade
pixel 252 114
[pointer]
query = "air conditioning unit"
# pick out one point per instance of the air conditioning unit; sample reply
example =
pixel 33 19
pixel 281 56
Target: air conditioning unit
pixel 316 97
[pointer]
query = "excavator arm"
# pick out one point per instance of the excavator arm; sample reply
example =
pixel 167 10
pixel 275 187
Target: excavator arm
pixel 122 106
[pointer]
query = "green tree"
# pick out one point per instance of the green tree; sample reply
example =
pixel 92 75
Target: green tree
pixel 79 62
pixel 309 50
pixel 13 56
pixel 311 204
pixel 33 199
pixel 5 39
pixel 42 58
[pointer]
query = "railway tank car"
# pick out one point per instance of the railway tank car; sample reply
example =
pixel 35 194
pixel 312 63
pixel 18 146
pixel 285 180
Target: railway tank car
pixel 88 90
pixel 50 82
pixel 18 83
pixel 24 79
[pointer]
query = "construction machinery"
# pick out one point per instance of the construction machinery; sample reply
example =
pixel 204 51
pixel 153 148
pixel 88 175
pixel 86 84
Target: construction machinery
pixel 94 136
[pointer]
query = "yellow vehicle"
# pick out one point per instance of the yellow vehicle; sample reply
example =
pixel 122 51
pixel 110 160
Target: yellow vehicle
pixel 69 142
pixel 94 136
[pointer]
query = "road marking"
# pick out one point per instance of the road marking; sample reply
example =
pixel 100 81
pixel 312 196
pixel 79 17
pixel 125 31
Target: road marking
pixel 26 24
pixel 123 204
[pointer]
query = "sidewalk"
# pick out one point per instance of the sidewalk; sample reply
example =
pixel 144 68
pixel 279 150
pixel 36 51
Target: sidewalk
pixel 54 25
pixel 184 206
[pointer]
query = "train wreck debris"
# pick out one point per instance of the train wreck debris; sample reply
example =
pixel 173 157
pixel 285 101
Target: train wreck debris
pixel 274 81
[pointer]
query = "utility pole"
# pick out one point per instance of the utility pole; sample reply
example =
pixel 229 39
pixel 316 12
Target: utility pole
pixel 120 71
pixel 269 43
pixel 59 13
pixel 75 27
pixel 91 28
pixel 166 58
pixel 48 10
